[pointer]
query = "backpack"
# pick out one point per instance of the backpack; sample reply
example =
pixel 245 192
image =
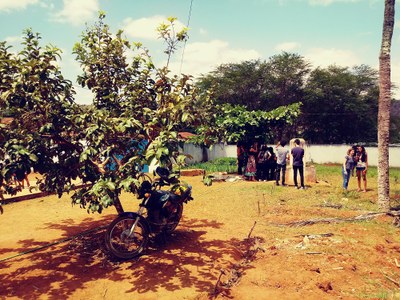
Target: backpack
pixel 263 156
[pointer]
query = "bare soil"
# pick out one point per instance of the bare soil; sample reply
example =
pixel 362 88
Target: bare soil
pixel 233 242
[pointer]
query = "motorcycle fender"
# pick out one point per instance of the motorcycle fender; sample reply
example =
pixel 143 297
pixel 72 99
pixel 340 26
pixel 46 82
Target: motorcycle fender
pixel 133 216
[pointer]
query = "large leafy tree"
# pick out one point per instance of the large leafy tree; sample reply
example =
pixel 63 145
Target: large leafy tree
pixel 259 85
pixel 233 123
pixel 237 84
pixel 257 88
pixel 137 109
pixel 41 100
pixel 340 105
pixel 285 78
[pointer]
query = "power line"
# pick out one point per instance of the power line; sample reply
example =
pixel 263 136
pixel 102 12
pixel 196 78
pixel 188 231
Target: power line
pixel 187 25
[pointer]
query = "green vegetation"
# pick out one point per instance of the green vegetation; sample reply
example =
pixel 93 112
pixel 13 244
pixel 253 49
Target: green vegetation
pixel 224 164
pixel 327 173
pixel 228 164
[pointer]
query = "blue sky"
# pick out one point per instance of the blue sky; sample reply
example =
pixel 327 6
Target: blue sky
pixel 325 32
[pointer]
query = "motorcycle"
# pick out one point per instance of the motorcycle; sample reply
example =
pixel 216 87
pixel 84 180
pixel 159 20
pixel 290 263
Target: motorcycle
pixel 159 212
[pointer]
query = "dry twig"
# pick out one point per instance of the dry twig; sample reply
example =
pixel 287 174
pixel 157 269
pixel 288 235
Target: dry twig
pixel 392 280
pixel 397 263
pixel 252 228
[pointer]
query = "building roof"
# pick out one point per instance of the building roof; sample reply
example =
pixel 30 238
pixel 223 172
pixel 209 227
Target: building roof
pixel 6 120
pixel 185 135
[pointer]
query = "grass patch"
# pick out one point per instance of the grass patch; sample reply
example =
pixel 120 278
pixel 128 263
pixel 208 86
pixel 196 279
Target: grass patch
pixel 223 164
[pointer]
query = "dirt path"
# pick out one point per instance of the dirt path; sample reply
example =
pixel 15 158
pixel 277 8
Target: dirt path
pixel 188 265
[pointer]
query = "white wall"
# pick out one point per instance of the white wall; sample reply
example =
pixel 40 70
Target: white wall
pixel 335 153
pixel 316 153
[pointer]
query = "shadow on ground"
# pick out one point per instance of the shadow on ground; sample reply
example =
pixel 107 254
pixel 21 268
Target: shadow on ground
pixel 186 259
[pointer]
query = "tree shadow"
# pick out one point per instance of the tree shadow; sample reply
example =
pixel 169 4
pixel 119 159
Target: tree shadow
pixel 185 259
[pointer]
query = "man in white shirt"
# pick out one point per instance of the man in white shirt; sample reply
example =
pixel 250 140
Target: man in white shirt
pixel 282 154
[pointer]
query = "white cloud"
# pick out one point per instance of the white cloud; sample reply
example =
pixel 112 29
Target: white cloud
pixel 324 57
pixel 77 12
pixel 8 5
pixel 202 31
pixel 288 46
pixel 200 58
pixel 328 2
pixel 145 28
pixel 14 40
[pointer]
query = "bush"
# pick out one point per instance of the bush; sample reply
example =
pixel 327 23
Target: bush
pixel 223 164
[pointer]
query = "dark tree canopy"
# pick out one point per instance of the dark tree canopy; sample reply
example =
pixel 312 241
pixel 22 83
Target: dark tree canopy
pixel 338 104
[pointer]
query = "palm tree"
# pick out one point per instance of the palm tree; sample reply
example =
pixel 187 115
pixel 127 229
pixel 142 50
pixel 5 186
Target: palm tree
pixel 384 107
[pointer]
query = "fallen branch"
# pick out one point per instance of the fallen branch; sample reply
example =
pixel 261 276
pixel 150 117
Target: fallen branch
pixel 316 236
pixel 364 217
pixel 330 205
pixel 248 249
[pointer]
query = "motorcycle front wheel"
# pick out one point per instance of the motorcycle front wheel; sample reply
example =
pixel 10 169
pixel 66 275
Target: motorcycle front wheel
pixel 121 242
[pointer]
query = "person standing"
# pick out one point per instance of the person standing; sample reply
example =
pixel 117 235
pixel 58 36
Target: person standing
pixel 251 168
pixel 298 166
pixel 241 153
pixel 347 168
pixel 361 167
pixel 282 154
pixel 271 164
pixel 262 159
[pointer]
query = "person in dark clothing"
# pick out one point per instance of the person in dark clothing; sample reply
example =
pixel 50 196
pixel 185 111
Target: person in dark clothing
pixel 271 164
pixel 262 159
pixel 298 154
pixel 361 161
pixel 241 157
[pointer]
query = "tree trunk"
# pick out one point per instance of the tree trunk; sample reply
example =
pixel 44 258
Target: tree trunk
pixel 204 153
pixel 384 107
pixel 118 205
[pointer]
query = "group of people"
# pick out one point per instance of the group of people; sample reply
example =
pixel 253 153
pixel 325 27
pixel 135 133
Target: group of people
pixel 263 163
pixel 256 162
pixel 355 159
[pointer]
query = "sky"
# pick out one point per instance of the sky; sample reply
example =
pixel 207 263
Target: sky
pixel 324 32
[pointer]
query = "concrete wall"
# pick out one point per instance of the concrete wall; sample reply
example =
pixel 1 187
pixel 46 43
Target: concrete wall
pixel 320 154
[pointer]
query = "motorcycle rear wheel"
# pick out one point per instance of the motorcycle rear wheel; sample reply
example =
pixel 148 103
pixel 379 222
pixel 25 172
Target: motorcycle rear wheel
pixel 121 243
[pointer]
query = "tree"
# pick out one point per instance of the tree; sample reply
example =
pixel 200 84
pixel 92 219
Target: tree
pixel 233 123
pixel 136 112
pixel 339 103
pixel 285 78
pixel 384 107
pixel 258 87
pixel 41 101
pixel 237 84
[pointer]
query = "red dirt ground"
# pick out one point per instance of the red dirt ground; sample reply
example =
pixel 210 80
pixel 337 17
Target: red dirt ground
pixel 209 256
